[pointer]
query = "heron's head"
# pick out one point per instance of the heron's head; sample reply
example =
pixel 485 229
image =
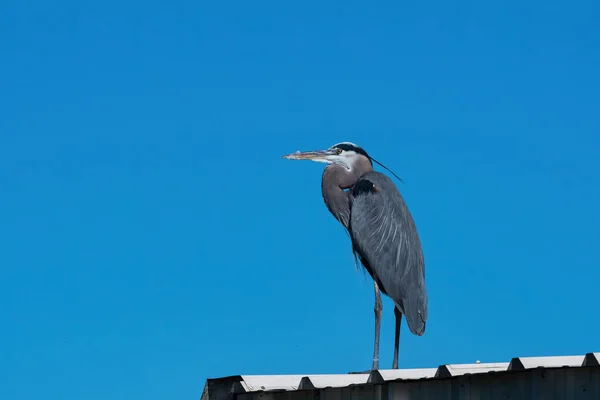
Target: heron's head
pixel 345 154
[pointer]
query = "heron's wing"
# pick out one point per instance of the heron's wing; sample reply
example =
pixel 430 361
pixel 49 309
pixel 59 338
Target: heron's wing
pixel 385 238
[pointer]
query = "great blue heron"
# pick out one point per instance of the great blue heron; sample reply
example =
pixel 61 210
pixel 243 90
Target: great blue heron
pixel 383 234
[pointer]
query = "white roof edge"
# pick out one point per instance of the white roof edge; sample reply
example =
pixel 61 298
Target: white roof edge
pixel 479 368
pixel 413 373
pixel 323 381
pixel 253 383
pixel 519 363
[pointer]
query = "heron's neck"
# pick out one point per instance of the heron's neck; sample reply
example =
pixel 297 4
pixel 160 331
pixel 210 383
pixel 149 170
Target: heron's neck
pixel 335 179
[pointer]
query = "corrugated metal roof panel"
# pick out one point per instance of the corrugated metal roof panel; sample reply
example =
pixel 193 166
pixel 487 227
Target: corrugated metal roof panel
pixel 384 375
pixel 521 363
pixel 229 387
pixel 323 381
pixel 446 371
pixel 253 383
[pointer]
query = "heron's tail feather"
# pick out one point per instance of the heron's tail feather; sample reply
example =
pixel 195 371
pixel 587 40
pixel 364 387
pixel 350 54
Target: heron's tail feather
pixel 415 310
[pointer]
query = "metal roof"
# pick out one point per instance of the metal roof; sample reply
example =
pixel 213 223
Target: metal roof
pixel 268 386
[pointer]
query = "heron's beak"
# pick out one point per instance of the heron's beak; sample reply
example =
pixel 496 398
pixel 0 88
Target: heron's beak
pixel 317 155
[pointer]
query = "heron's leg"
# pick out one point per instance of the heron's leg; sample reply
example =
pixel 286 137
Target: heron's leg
pixel 378 308
pixel 398 315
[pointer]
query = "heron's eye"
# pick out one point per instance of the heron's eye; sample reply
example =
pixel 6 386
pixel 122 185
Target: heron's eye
pixel 339 151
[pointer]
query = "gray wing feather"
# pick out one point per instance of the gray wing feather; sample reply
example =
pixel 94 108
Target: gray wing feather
pixel 385 238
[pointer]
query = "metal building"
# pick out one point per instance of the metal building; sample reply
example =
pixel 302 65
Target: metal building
pixel 526 378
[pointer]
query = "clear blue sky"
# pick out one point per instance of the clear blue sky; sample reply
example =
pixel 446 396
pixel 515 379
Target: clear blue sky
pixel 152 236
